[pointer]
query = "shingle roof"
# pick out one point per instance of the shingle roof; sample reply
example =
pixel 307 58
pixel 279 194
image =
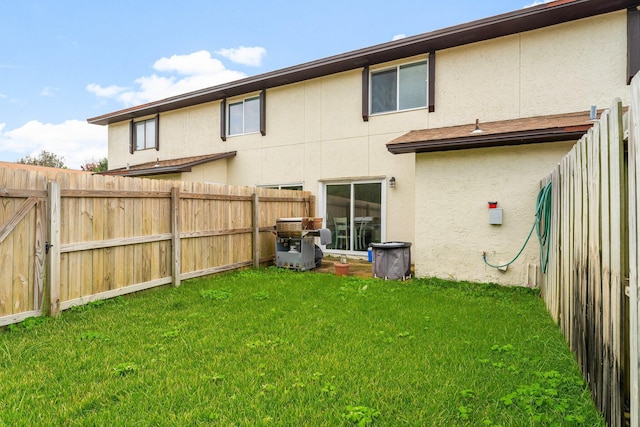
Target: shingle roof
pixel 160 167
pixel 552 128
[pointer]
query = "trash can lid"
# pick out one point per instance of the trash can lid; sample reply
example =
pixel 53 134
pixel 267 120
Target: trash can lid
pixel 390 245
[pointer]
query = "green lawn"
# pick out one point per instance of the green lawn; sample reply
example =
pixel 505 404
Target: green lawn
pixel 273 347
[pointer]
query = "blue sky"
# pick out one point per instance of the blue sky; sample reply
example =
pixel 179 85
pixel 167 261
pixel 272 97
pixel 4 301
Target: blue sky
pixel 64 61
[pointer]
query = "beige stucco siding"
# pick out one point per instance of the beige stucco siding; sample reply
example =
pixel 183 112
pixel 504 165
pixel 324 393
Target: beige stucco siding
pixel 118 147
pixel 186 132
pixel 560 69
pixel 195 130
pixel 452 215
pixel 586 59
pixel 477 81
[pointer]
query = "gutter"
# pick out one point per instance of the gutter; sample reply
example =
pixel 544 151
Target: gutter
pixel 491 140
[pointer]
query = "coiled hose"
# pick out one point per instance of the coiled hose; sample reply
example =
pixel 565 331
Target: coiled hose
pixel 542 226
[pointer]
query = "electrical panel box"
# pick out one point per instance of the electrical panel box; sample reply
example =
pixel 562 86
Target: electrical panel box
pixel 495 216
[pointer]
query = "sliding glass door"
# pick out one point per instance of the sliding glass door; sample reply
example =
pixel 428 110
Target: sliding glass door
pixel 354 213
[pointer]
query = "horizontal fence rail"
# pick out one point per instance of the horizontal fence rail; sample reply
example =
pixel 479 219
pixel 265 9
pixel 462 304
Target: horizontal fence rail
pixel 100 236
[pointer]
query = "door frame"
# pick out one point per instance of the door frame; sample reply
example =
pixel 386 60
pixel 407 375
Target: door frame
pixel 322 207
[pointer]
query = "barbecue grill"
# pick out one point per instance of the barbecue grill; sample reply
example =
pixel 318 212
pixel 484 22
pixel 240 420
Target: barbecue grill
pixel 295 243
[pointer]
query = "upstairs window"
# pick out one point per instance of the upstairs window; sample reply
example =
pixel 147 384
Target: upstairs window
pixel 144 135
pixel 244 116
pixel 400 88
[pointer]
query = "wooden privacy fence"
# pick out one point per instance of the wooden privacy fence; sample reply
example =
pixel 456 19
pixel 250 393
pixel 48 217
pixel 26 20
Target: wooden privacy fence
pixel 583 283
pixel 99 236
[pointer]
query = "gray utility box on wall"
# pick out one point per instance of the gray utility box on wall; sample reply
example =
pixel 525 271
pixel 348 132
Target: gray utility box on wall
pixel 495 216
pixel 391 260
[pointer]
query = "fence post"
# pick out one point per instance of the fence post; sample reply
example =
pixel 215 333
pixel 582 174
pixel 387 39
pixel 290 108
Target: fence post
pixel 256 230
pixel 634 258
pixel 312 205
pixel 175 236
pixel 53 249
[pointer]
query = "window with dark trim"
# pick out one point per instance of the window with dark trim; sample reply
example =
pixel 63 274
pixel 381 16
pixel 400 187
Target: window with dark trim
pixel 432 82
pixel 246 116
pixel 403 87
pixel 223 119
pixel 365 94
pixel 144 134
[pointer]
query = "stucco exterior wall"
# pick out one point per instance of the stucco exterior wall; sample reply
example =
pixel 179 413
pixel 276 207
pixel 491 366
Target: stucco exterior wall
pixel 452 215
pixel 560 69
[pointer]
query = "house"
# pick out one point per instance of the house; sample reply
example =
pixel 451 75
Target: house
pixel 383 135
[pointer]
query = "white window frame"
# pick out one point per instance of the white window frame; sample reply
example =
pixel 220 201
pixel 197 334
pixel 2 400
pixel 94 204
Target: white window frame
pixel 282 186
pixel 397 68
pixel 322 191
pixel 243 102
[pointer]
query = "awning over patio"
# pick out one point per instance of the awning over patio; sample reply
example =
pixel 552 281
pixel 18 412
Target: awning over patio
pixel 160 167
pixel 530 130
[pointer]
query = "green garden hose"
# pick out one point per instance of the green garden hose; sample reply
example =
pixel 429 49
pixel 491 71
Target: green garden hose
pixel 542 225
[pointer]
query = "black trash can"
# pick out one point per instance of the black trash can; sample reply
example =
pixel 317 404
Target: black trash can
pixel 391 260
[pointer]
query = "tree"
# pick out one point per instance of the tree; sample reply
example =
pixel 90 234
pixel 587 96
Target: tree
pixel 93 165
pixel 44 158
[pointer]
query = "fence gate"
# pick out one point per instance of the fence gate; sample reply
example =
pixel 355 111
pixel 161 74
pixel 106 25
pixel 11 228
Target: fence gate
pixel 22 245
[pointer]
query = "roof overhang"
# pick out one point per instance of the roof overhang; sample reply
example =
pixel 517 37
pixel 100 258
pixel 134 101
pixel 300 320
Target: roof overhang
pixel 162 167
pixel 519 21
pixel 531 130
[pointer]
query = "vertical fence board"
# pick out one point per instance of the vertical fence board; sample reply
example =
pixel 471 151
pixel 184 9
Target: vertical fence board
pixel 31 285
pixel 595 281
pixel 53 258
pixel 634 260
pixel 99 207
pixel 146 215
pixel 109 232
pixel 7 208
pixel 616 180
pixel 65 230
pixel 21 249
pixel 175 239
pixel 39 251
pixel 86 235
pixel 577 298
pixel 154 268
pixel 120 253
pixel 605 266
pixel 255 223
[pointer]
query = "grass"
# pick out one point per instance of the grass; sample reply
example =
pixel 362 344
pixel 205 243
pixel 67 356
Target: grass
pixel 273 347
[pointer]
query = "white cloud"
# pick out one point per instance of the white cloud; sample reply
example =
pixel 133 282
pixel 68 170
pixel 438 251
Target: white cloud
pixel 2 95
pixel 48 91
pixel 244 55
pixel 195 63
pixel 536 3
pixel 186 73
pixel 75 140
pixel 398 37
pixel 106 92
